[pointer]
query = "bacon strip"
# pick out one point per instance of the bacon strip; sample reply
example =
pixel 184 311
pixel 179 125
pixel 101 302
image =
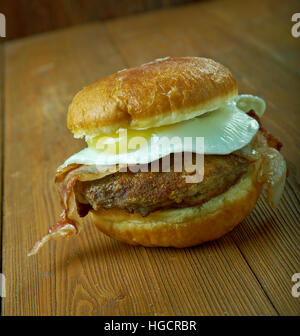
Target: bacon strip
pixel 65 226
pixel 68 224
pixel 272 141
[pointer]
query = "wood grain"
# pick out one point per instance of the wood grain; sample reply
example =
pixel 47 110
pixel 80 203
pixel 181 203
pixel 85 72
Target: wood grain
pixel 25 17
pixel 247 272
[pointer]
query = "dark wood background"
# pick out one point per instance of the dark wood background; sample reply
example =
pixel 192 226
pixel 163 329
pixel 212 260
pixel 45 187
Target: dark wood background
pixel 27 17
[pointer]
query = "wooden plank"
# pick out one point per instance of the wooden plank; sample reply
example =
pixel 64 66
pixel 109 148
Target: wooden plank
pixel 268 239
pixel 93 274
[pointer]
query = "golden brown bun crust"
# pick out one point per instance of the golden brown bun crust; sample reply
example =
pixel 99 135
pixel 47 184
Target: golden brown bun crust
pixel 184 227
pixel 158 93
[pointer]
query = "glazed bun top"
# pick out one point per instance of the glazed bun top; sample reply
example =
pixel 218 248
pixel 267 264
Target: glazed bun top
pixel 158 93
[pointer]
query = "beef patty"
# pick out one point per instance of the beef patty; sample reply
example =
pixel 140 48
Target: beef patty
pixel 144 192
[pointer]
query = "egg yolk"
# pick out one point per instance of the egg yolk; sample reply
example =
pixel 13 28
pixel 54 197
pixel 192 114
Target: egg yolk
pixel 124 140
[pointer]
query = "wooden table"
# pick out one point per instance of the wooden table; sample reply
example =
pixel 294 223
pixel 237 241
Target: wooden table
pixel 247 272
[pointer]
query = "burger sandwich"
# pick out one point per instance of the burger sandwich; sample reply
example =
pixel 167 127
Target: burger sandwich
pixel 175 156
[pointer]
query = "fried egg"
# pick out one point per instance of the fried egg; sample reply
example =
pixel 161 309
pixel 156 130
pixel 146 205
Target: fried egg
pixel 220 132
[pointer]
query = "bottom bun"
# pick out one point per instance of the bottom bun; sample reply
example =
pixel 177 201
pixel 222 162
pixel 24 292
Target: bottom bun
pixel 183 227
